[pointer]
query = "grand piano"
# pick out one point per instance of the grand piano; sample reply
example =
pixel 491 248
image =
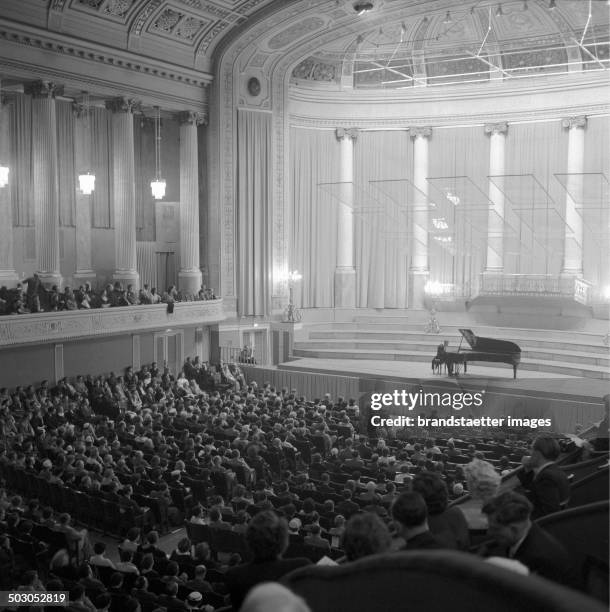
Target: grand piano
pixel 482 349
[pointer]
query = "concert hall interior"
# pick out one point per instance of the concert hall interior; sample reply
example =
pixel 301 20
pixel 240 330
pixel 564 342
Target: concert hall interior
pixel 289 283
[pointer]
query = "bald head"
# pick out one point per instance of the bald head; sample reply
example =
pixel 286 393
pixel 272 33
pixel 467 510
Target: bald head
pixel 272 596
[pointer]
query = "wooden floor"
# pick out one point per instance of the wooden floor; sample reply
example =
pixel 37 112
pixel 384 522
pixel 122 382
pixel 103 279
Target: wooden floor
pixel 489 377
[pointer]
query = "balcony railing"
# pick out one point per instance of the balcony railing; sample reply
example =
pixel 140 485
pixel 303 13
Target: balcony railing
pixel 72 324
pixel 535 285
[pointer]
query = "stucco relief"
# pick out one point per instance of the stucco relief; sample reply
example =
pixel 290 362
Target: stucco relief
pixel 295 31
pixel 38 328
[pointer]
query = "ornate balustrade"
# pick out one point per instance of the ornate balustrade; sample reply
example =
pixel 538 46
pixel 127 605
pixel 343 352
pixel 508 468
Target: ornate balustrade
pixel 528 284
pixel 69 325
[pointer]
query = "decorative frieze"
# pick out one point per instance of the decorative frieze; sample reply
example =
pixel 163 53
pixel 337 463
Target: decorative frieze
pixel 70 325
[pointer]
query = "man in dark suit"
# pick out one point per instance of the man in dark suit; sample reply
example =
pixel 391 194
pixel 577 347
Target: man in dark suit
pixel 410 512
pixel 267 539
pixel 546 485
pixel 516 537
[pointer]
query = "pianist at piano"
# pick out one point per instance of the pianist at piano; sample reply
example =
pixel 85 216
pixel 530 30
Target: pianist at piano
pixel 479 349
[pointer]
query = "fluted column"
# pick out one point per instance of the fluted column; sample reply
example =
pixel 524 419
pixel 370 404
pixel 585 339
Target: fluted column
pixel 82 156
pixel 124 191
pixel 189 277
pixel 495 221
pixel 572 249
pixel 419 270
pixel 8 276
pixel 45 179
pixel 345 273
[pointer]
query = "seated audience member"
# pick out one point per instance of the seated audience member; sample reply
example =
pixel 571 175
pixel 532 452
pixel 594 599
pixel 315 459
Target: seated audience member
pixel 517 537
pixel 126 564
pixel 273 596
pixel 315 539
pixel 99 557
pixel 199 583
pixel 410 512
pixel 482 480
pixel 267 539
pixel 365 534
pixel 447 524
pixel 546 485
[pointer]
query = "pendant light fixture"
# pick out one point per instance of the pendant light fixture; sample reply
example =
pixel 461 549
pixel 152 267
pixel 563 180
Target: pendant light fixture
pixel 86 180
pixel 158 185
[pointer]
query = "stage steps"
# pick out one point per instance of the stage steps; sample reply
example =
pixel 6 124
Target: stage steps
pixel 402 338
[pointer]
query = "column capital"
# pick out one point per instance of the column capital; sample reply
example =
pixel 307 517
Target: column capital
pixel 43 89
pixel 496 128
pixel 192 118
pixel 122 104
pixel 342 133
pixel 79 109
pixel 420 132
pixel 574 122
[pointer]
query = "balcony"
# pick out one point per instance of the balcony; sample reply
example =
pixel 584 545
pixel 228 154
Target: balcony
pixel 16 330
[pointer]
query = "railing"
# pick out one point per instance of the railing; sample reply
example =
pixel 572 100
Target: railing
pixel 234 354
pixel 527 284
pixel 71 324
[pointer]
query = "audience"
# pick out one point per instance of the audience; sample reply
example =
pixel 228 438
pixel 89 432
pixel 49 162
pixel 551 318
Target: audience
pixel 241 460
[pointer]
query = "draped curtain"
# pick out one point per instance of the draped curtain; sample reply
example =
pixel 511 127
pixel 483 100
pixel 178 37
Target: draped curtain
pixel 314 156
pixel 459 161
pixel 383 163
pixel 67 171
pixel 596 213
pixel 101 162
pixel 254 191
pixel 535 206
pixel 21 167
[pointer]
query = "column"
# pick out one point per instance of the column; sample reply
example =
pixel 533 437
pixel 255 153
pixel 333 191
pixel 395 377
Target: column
pixel 572 249
pixel 124 191
pixel 189 276
pixel 495 221
pixel 8 276
pixel 82 156
pixel 45 180
pixel 419 270
pixel 345 273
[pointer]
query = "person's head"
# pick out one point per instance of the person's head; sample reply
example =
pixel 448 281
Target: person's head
pixel 200 572
pixel 433 489
pixel 544 449
pixel 99 548
pixel 482 479
pixel 409 509
pixel 126 556
pixel 147 562
pixel 273 596
pixel 77 592
pixel 202 551
pixel 103 601
pixel 267 536
pixel 172 589
pixel 365 534
pixel 184 546
pixel 133 534
pixel 508 515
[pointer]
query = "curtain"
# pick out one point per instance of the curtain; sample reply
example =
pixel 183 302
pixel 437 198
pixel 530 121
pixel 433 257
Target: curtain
pixel 596 211
pixel 67 173
pixel 147 264
pixel 101 158
pixel 21 146
pixel 535 205
pixel 314 156
pixel 382 167
pixel 144 142
pixel 457 168
pixel 254 192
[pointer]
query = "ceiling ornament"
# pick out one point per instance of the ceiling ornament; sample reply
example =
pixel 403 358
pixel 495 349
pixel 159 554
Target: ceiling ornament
pixel 295 31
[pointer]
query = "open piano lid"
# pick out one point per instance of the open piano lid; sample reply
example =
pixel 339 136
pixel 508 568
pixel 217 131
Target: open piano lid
pixel 489 345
